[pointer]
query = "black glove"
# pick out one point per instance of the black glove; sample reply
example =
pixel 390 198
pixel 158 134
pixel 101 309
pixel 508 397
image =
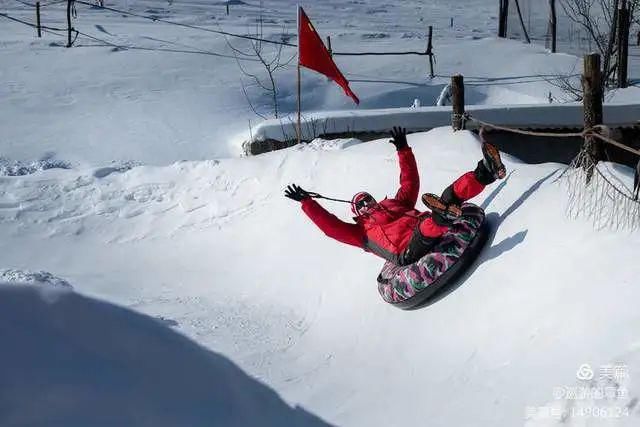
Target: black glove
pixel 295 192
pixel 399 136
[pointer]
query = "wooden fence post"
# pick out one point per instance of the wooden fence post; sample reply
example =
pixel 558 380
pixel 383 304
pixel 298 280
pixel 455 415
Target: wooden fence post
pixel 592 88
pixel 38 19
pixel 69 23
pixel 524 28
pixel 500 22
pixel 623 45
pixel 625 64
pixel 608 53
pixel 329 46
pixel 430 52
pixel 457 101
pixel 503 18
pixel 553 24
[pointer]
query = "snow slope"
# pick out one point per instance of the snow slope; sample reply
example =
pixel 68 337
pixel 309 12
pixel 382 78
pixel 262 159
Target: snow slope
pixel 214 249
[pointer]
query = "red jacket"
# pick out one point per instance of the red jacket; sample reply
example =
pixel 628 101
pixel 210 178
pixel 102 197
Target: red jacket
pixel 388 229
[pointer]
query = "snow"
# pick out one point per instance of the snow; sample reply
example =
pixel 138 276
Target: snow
pixel 87 362
pixel 15 167
pixel 33 278
pixel 194 279
pixel 214 248
pixel 544 116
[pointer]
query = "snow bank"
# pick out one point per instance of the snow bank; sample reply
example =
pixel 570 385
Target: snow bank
pixel 75 361
pixel 547 116
pixel 33 278
pixel 18 168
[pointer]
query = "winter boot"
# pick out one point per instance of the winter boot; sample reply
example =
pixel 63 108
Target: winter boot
pixel 443 213
pixel 492 161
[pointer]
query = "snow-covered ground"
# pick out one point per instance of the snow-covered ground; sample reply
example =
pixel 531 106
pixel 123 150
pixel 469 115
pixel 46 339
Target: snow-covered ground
pixel 120 179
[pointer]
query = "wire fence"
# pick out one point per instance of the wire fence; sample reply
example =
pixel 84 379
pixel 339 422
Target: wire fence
pixel 44 27
pixel 535 16
pixel 592 132
pixel 25 3
pixel 214 31
pixel 535 23
pixel 80 34
pixel 180 24
pixel 42 4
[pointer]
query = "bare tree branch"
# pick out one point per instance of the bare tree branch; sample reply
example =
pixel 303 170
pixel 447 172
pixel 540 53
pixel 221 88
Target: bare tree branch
pixel 271 62
pixel 599 19
pixel 568 83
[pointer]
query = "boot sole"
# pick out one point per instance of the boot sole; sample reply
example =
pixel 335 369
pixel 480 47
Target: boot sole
pixel 492 152
pixel 434 203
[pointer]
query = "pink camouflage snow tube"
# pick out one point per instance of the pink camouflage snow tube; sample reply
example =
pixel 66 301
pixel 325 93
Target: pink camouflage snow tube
pixel 413 285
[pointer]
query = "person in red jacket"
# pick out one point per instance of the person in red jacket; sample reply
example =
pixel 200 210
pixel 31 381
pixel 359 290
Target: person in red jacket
pixel 393 229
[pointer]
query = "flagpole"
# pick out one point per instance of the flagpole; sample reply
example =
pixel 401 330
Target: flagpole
pixel 299 108
pixel 299 127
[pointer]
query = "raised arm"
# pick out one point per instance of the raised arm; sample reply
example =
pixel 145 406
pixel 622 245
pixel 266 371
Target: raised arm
pixel 332 226
pixel 409 177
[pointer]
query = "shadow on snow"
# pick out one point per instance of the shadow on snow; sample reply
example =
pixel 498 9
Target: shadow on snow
pixel 491 250
pixel 69 360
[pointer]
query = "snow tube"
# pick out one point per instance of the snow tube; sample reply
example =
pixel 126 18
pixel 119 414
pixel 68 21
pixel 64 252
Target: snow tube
pixel 412 285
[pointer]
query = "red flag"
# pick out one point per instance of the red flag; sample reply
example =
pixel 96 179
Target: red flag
pixel 313 54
